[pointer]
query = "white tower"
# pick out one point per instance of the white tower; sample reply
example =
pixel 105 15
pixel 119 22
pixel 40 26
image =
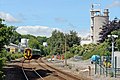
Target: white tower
pixel 24 42
pixel 97 21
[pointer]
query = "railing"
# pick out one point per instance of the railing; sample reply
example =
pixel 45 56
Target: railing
pixel 105 70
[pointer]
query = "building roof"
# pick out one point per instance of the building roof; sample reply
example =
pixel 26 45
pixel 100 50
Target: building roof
pixel 11 45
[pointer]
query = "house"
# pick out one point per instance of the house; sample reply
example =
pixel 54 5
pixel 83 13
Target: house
pixel 12 48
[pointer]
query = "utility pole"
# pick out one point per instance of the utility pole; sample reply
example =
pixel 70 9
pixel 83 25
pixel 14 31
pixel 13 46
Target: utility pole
pixel 65 52
pixel 112 60
pixel 112 56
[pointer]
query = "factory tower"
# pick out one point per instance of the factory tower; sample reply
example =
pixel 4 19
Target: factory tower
pixel 98 19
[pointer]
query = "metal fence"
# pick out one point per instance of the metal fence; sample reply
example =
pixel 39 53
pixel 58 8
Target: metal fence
pixel 103 69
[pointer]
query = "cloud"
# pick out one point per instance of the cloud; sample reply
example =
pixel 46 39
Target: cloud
pixel 36 30
pixel 46 31
pixel 8 17
pixel 114 4
pixel 60 20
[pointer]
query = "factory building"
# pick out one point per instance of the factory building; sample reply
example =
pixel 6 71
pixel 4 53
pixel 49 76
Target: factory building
pixel 98 19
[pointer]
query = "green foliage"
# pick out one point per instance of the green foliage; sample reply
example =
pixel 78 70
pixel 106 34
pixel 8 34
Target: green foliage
pixel 1 70
pixel 118 44
pixel 58 39
pixel 41 39
pixel 56 42
pixel 37 43
pixel 72 39
pixel 100 49
pixel 117 32
pixel 76 50
pixel 43 50
pixel 6 56
pixel 28 36
pixel 15 37
pixel 68 55
pixel 1 63
pixel 16 55
pixel 33 43
pixel 5 34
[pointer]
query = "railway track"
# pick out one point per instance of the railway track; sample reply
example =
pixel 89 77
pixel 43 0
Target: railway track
pixel 31 73
pixel 40 70
pixel 53 72
pixel 60 74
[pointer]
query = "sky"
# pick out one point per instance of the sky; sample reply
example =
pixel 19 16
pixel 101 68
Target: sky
pixel 41 17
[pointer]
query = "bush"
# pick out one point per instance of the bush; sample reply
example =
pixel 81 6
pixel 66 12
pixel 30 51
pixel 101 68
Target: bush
pixel 1 70
pixel 7 56
pixel 16 55
pixel 13 57
pixel 1 63
pixel 100 49
pixel 68 55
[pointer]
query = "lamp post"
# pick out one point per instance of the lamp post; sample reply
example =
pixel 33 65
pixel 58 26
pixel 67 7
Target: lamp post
pixel 112 57
pixel 65 52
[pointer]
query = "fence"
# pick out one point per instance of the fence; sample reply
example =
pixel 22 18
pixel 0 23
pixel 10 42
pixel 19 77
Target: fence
pixel 105 69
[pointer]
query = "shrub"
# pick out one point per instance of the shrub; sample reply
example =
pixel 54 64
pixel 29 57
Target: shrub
pixel 1 65
pixel 100 49
pixel 68 55
pixel 16 55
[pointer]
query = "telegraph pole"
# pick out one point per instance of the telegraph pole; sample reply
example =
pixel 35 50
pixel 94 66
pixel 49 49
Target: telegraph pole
pixel 65 52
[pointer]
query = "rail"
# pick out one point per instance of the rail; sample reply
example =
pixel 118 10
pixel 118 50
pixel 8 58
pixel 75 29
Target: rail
pixel 23 70
pixel 25 74
pixel 38 74
pixel 54 73
pixel 57 70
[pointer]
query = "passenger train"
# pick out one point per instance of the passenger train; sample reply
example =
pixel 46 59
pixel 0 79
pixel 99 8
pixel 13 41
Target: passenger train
pixel 31 53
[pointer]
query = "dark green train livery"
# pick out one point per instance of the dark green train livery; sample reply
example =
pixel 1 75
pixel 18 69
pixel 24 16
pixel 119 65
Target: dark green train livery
pixel 31 53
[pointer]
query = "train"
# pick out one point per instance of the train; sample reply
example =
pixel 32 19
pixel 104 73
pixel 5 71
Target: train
pixel 31 53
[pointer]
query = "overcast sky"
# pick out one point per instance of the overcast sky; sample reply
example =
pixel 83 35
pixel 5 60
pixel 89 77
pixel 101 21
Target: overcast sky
pixel 41 17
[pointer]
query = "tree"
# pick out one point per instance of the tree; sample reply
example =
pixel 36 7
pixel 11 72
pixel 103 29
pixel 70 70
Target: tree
pixel 92 49
pixel 118 44
pixel 56 42
pixel 41 39
pixel 117 32
pixel 5 34
pixel 33 43
pixel 15 38
pixel 72 39
pixel 58 39
pixel 108 28
pixel 28 36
